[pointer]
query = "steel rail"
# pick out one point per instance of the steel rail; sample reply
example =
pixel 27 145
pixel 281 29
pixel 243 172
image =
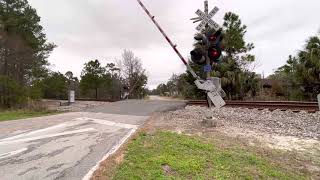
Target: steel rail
pixel 272 105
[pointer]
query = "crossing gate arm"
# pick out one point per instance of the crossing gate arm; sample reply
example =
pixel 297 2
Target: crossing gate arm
pixel 169 41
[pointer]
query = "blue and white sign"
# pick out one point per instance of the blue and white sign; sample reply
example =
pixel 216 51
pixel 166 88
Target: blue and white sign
pixel 207 68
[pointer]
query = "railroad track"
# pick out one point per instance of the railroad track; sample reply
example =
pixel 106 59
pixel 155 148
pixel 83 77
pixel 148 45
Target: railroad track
pixel 271 105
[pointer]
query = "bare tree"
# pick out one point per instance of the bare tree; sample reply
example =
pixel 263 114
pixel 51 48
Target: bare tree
pixel 133 74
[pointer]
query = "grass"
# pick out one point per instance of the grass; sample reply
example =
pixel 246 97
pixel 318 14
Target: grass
pixel 167 155
pixel 22 114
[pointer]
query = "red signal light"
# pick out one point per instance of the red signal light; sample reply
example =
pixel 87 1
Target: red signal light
pixel 212 38
pixel 214 53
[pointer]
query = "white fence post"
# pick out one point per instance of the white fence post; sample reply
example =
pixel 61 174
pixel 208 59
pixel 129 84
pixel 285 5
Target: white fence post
pixel 71 97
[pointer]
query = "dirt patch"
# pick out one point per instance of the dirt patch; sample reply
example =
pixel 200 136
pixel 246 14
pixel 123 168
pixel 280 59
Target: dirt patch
pixel 274 141
pixel 167 170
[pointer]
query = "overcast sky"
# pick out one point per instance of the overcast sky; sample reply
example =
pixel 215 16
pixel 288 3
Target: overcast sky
pixel 101 29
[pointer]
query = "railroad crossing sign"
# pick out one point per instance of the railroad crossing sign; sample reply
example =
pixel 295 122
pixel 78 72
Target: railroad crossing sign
pixel 205 18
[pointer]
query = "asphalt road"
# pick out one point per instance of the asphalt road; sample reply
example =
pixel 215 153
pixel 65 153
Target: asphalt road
pixel 71 145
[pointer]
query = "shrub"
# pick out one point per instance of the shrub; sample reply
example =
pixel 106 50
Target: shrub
pixel 11 93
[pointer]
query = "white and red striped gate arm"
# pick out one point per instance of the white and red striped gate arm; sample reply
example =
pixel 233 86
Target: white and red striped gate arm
pixel 169 41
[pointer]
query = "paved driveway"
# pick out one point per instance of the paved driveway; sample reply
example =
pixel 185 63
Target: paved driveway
pixel 71 145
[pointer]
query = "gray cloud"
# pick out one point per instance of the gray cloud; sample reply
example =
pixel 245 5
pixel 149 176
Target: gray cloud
pixel 85 30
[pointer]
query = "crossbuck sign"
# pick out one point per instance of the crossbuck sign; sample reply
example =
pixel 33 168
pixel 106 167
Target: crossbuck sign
pixel 206 19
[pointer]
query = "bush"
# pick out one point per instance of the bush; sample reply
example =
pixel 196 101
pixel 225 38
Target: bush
pixel 37 106
pixel 35 92
pixel 296 95
pixel 11 93
pixel 54 86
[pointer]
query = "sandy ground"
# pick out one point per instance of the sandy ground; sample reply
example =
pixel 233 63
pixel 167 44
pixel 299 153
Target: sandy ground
pixel 163 98
pixel 62 105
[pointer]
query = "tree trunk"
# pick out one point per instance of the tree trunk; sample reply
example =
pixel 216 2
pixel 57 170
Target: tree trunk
pixel 5 73
pixel 96 93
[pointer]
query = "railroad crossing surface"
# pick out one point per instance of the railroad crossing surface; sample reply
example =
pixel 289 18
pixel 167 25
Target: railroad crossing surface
pixel 71 145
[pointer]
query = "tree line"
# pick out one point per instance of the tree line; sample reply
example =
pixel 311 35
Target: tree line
pixel 99 82
pixel 300 76
pixel 24 68
pixel 24 50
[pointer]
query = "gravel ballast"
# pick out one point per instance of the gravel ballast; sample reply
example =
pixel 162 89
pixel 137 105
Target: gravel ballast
pixel 284 123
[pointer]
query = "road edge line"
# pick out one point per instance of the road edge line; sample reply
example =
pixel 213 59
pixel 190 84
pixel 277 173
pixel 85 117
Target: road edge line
pixel 89 175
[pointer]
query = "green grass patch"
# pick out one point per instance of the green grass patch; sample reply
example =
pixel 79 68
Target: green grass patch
pixel 22 114
pixel 167 155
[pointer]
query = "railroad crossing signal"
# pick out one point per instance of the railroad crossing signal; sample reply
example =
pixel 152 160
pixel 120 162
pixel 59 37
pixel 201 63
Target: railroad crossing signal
pixel 209 53
pixel 213 90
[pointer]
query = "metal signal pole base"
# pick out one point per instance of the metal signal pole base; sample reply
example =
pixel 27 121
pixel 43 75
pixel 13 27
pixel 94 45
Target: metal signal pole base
pixel 209 102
